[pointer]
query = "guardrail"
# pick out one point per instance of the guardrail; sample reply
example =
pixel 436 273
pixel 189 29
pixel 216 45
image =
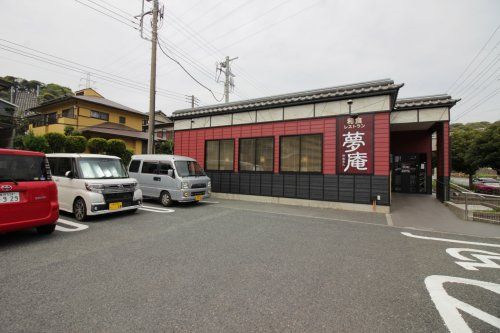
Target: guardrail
pixel 474 206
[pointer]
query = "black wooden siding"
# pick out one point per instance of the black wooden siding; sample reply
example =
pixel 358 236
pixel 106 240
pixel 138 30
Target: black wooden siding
pixel 341 188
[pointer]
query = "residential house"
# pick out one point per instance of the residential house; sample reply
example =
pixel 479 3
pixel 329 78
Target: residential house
pixel 95 116
pixel 164 127
pixel 7 111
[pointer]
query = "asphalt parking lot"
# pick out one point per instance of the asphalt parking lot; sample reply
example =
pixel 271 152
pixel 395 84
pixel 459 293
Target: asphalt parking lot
pixel 236 266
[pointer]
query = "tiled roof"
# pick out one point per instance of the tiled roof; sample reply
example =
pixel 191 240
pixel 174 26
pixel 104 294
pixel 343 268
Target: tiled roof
pixel 116 129
pixel 425 102
pixel 25 100
pixel 332 93
pixel 91 99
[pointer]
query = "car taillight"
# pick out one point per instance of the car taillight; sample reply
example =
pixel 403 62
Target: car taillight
pixel 48 175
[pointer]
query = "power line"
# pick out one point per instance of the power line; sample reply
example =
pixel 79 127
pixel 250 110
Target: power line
pixel 475 57
pixel 474 107
pixel 82 71
pixel 94 70
pixel 187 72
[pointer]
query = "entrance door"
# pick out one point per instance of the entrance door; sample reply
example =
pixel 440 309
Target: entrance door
pixel 409 173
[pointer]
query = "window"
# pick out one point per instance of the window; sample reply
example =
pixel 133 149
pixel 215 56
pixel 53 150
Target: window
pixel 134 166
pixel 257 154
pixel 100 168
pixel 219 155
pixel 99 115
pixel 164 167
pixel 52 118
pixel 23 168
pixel 59 166
pixel 122 120
pixel 150 167
pixel 189 168
pixel 68 113
pixel 301 153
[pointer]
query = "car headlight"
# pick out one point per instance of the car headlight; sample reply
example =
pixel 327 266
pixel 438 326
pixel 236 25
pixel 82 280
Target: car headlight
pixel 184 185
pixel 209 184
pixel 136 186
pixel 97 188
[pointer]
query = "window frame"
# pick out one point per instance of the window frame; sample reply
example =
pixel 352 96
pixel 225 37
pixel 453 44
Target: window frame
pixel 139 167
pixel 255 154
pixel 152 162
pixel 300 154
pixel 124 120
pixel 218 157
pixel 70 113
pixel 100 113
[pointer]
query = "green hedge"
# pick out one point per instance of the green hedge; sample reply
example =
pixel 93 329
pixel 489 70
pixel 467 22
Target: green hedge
pixel 75 144
pixel 56 142
pixel 97 145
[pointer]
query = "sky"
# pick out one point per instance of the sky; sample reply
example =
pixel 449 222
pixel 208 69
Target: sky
pixel 283 46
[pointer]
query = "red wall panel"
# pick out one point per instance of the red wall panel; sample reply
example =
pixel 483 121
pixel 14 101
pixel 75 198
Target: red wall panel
pixel 381 144
pixel 186 139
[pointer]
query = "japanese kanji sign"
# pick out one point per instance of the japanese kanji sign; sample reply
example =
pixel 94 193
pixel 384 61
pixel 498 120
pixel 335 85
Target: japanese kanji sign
pixel 355 145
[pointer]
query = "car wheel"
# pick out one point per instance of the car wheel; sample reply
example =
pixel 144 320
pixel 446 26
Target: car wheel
pixel 166 199
pixel 46 229
pixel 80 209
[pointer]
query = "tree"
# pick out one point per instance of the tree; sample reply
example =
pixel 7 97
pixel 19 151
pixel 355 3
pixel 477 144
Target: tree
pixel 116 147
pixel 164 147
pixel 56 142
pixel 97 145
pixel 487 147
pixel 35 143
pixel 75 144
pixel 47 91
pixel 463 157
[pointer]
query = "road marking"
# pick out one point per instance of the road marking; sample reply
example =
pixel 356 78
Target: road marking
pixel 448 306
pixel 156 209
pixel 485 258
pixel 449 240
pixel 209 202
pixel 388 217
pixel 76 226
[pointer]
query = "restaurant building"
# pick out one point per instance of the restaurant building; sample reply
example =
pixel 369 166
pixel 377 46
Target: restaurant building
pixel 352 145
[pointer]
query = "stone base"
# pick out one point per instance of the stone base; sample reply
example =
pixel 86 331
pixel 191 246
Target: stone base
pixel 305 202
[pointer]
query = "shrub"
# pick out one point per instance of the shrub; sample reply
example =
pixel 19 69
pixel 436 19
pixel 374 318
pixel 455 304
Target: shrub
pixel 35 143
pixel 68 130
pixel 56 142
pixel 97 145
pixel 116 147
pixel 127 156
pixel 76 133
pixel 18 141
pixel 75 144
pixel 164 147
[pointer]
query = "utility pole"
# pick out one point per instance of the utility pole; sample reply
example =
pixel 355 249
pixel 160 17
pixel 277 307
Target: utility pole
pixel 225 67
pixel 152 84
pixel 192 101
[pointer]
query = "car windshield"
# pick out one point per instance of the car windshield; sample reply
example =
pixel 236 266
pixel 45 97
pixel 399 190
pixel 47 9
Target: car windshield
pixel 22 168
pixel 98 168
pixel 188 168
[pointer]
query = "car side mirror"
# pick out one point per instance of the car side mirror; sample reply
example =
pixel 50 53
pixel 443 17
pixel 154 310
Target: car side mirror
pixel 69 174
pixel 170 173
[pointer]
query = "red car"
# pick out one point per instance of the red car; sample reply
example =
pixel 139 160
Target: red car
pixel 28 196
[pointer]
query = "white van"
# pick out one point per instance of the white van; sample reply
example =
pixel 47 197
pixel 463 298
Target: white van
pixel 91 184
pixel 170 178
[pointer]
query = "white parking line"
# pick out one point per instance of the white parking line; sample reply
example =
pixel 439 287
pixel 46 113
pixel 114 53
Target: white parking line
pixel 76 226
pixel 209 202
pixel 408 234
pixel 156 209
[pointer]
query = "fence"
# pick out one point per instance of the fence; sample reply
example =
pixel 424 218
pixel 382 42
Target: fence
pixel 473 206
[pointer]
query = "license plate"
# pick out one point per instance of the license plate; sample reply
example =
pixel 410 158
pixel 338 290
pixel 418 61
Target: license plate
pixel 9 197
pixel 198 197
pixel 115 205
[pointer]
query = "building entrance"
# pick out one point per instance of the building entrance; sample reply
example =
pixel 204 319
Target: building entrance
pixel 409 173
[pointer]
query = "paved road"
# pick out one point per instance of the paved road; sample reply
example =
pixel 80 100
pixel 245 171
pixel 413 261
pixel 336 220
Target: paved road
pixel 241 267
